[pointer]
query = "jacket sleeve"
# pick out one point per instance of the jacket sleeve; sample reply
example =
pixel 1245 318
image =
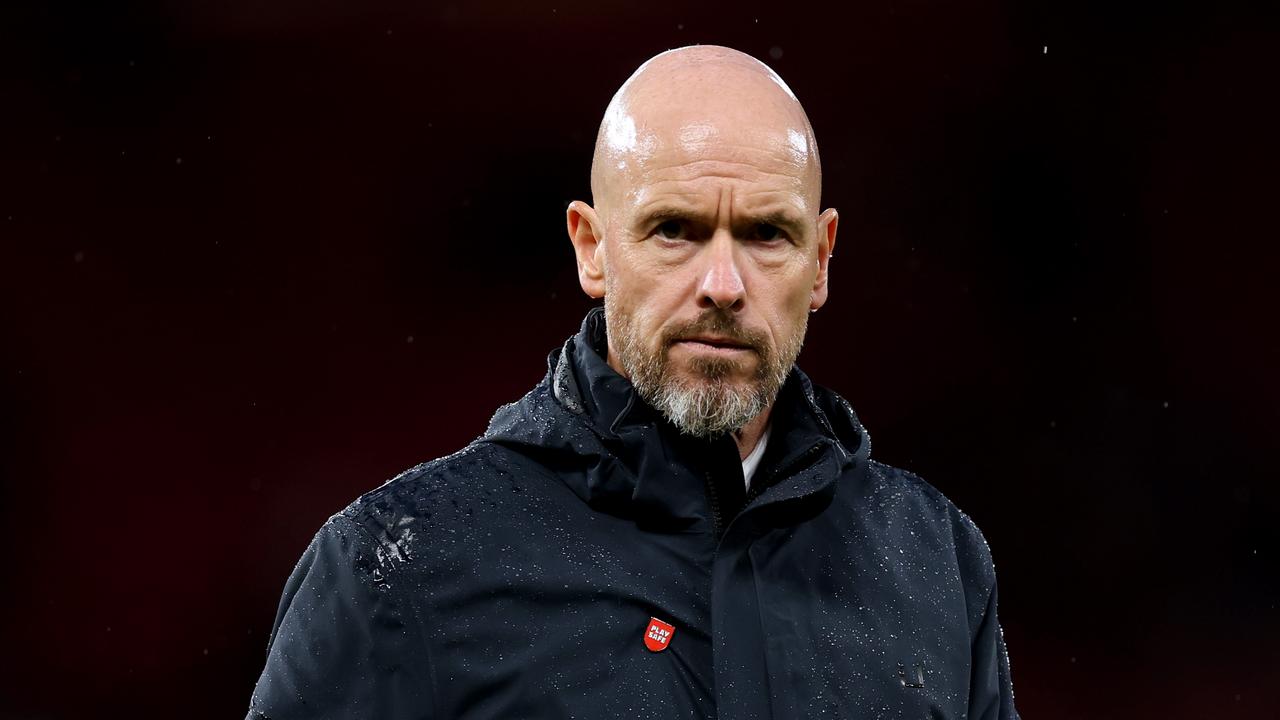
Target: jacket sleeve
pixel 990 689
pixel 342 645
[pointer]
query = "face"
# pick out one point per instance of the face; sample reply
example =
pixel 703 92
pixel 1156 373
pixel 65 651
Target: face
pixel 712 255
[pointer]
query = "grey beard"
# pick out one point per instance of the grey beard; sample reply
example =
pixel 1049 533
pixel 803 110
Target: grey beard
pixel 707 409
pixel 711 405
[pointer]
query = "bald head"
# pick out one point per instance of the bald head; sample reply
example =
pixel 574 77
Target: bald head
pixel 696 102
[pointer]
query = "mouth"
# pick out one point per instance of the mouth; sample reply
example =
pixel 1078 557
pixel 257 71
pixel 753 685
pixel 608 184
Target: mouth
pixel 714 344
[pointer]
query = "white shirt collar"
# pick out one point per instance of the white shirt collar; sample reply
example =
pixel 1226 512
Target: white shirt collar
pixel 752 461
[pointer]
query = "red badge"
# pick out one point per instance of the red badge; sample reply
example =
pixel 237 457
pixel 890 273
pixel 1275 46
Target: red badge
pixel 658 635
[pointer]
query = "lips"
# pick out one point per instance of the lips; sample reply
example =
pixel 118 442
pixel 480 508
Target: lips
pixel 717 342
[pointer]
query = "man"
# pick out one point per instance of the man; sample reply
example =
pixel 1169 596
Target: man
pixel 675 522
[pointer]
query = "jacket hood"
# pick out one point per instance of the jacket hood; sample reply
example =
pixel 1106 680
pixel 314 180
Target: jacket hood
pixel 588 425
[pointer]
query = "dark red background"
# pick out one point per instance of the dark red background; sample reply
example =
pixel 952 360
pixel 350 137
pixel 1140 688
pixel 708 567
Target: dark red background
pixel 256 258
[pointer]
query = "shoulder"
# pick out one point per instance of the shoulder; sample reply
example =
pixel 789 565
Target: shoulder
pixel 432 504
pixel 894 501
pixel 892 484
pixel 901 497
pixel 907 495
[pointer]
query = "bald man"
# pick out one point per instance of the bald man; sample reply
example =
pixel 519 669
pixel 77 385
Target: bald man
pixel 675 522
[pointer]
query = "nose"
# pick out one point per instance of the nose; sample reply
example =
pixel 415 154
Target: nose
pixel 721 285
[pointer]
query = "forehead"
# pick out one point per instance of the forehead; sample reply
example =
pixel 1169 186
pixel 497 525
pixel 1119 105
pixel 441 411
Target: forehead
pixel 706 156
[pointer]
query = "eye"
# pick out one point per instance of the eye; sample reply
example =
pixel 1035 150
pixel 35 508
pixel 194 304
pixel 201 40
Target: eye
pixel 670 230
pixel 768 233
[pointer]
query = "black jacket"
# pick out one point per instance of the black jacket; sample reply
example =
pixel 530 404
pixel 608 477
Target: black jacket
pixel 518 578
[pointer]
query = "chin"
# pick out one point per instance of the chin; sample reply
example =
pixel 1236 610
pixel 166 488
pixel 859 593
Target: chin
pixel 700 374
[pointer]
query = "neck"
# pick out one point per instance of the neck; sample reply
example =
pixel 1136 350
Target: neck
pixel 749 434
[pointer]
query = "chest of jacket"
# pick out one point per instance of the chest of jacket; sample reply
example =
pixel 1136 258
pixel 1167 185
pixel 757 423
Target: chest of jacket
pixel 535 605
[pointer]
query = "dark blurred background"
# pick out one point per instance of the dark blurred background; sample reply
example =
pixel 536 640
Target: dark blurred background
pixel 258 257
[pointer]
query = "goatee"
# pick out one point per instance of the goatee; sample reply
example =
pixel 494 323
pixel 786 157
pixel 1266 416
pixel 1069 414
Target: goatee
pixel 706 401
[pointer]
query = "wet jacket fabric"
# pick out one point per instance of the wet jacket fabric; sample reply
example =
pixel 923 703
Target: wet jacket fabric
pixel 521 576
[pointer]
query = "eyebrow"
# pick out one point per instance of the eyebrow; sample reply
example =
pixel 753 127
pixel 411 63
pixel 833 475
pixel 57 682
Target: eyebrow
pixel 663 213
pixel 784 219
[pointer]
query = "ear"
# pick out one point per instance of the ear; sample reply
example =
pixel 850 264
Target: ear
pixel 586 234
pixel 827 223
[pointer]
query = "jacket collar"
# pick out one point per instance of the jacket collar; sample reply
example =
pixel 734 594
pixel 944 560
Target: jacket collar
pixel 621 456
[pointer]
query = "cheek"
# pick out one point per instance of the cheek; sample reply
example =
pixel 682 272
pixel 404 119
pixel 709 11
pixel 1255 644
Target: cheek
pixel 633 296
pixel 787 287
pixel 654 292
pixel 786 294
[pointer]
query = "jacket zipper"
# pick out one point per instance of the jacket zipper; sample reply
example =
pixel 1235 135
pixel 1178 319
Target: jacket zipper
pixel 717 522
pixel 717 519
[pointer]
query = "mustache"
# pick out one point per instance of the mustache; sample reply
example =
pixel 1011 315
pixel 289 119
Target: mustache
pixel 719 323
